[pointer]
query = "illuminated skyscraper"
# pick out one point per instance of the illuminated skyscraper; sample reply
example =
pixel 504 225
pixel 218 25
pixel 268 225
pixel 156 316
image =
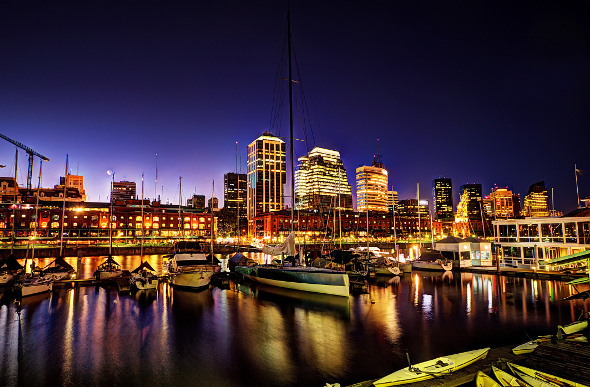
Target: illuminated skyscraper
pixel 234 193
pixel 536 201
pixel 123 190
pixel 470 204
pixel 442 192
pixel 371 187
pixel 502 204
pixel 321 181
pixel 392 200
pixel 266 175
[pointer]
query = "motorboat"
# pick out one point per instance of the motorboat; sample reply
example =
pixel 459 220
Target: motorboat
pixel 432 260
pixel 432 368
pixel 189 267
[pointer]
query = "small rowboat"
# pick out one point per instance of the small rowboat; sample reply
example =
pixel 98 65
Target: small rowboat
pixel 530 346
pixel 568 329
pixel 541 379
pixel 432 368
pixel 483 380
pixel 506 379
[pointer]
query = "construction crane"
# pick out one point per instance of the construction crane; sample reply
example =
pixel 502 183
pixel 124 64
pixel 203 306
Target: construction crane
pixel 31 153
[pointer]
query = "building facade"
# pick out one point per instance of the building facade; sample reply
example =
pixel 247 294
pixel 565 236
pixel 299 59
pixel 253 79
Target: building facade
pixel 536 201
pixel 123 190
pixel 409 214
pixel 266 176
pixel 442 195
pixel 234 193
pixel 371 187
pixel 321 182
pixel 197 202
pixel 469 219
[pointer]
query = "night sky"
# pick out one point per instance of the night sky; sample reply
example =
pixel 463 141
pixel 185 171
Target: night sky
pixel 496 93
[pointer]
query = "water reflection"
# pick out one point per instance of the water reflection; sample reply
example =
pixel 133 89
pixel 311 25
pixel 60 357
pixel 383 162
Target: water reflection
pixel 257 335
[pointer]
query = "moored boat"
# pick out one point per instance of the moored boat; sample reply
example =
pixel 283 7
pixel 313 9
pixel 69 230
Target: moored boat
pixel 144 277
pixel 432 368
pixel 575 327
pixel 438 265
pixel 30 286
pixel 189 267
pixel 108 269
pixel 540 379
pixel 9 268
pixel 484 380
pixel 58 269
pixel 506 379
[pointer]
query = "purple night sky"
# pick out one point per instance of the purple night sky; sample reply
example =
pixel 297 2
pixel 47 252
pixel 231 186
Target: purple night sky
pixel 478 91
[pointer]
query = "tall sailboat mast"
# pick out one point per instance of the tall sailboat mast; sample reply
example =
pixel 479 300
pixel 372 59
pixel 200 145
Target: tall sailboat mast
pixel 63 210
pixel 289 47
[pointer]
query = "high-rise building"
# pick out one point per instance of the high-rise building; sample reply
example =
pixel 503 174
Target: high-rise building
pixel 235 192
pixel 391 201
pixel 502 204
pixel 197 201
pixel 470 204
pixel 73 181
pixel 442 193
pixel 407 214
pixel 213 203
pixel 321 181
pixel 371 187
pixel 123 190
pixel 266 175
pixel 536 201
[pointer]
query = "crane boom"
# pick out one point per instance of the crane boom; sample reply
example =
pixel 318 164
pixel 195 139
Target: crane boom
pixel 30 152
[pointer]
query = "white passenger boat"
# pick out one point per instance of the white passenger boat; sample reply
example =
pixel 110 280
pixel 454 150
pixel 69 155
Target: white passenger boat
pixel 189 268
pixel 541 379
pixel 484 380
pixel 432 368
pixel 506 379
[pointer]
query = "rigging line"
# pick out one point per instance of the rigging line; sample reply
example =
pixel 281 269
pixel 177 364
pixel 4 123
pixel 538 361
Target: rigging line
pixel 304 98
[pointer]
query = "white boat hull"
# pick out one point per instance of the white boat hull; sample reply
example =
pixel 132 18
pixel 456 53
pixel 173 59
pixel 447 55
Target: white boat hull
pixel 144 283
pixel 568 329
pixel 431 368
pixel 434 266
pixel 193 279
pixel 36 288
pixel 5 278
pixel 484 380
pixel 540 379
pixel 99 274
pixel 304 279
pixel 506 379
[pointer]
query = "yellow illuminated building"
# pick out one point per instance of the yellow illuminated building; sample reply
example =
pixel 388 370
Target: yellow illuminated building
pixel 321 182
pixel 266 175
pixel 371 187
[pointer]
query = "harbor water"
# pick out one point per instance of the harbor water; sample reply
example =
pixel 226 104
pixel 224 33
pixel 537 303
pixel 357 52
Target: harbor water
pixel 252 335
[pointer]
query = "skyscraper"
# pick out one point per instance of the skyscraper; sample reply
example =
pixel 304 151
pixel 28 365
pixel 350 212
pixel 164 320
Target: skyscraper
pixel 442 192
pixel 234 193
pixel 371 187
pixel 502 204
pixel 470 204
pixel 321 181
pixel 266 175
pixel 123 190
pixel 536 201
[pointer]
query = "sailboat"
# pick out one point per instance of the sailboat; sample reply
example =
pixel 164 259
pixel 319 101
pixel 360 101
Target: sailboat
pixel 109 268
pixel 308 279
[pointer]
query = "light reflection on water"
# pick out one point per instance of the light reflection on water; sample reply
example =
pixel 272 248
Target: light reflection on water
pixel 264 336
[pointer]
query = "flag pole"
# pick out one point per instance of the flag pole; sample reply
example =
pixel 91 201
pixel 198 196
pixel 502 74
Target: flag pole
pixel 576 171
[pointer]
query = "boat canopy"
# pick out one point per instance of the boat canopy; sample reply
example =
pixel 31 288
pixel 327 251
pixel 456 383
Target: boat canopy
pixel 109 262
pixel 58 263
pixel 144 265
pixel 10 263
pixel 431 256
pixel 287 247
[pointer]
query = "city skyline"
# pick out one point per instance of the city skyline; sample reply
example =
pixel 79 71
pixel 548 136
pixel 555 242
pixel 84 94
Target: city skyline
pixel 474 92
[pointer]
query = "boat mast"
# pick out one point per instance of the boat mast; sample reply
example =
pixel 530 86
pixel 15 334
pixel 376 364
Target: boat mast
pixel 37 210
pixel 63 210
pixel 212 217
pixel 394 231
pixel 179 204
pixel 14 204
pixel 111 218
pixel 142 221
pixel 289 46
pixel 418 210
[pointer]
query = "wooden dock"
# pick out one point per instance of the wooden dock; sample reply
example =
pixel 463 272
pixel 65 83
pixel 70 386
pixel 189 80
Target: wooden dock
pixel 564 359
